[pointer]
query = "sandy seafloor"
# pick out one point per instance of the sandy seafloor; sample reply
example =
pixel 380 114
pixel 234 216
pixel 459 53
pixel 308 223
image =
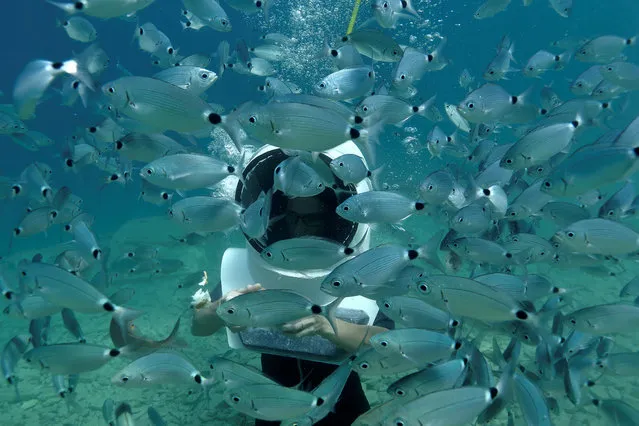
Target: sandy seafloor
pixel 163 303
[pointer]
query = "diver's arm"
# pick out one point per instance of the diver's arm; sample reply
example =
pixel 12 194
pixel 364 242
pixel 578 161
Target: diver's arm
pixel 349 336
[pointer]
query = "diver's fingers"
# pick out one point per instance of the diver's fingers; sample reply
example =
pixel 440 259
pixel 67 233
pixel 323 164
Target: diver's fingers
pixel 308 331
pixel 296 326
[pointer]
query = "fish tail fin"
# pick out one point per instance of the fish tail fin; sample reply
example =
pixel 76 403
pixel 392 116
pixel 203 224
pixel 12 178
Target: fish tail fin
pixel 67 7
pixel 374 176
pixel 424 109
pixel 367 139
pixel 429 251
pixel 330 313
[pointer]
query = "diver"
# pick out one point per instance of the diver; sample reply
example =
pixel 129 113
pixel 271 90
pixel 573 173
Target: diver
pixel 307 350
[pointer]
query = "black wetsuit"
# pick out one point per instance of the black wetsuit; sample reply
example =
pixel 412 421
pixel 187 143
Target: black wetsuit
pixel 286 371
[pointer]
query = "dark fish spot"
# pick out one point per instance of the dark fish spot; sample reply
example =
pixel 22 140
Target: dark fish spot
pixel 278 169
pixel 595 402
pixel 458 345
pixel 369 174
pixel 493 393
pixel 543 111
pixel 230 169
pixel 108 306
pixel 75 84
pixel 636 151
pixel 345 39
pixel 358 119
pixel 413 254
pixel 169 50
pixel 590 383
pixel 455 323
pixel 605 105
pixel 114 352
pixel 215 118
pixel 119 145
pixel 522 315
pixel 165 196
pixel 509 255
pixel 320 402
pixel 430 58
pixel 54 214
pixel 316 309
pixel 334 53
pixel 415 109
pixel 56 65
pixel 514 100
pixel 348 251
pixel 486 192
pixel 96 253
pixel 198 379
pixel 419 206
pixel 114 177
pixel 17 231
pixel 93 129
pixel 69 162
pixel 16 189
pixel 575 123
pixel 354 133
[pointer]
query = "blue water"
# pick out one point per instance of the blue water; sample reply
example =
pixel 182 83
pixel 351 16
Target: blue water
pixel 28 31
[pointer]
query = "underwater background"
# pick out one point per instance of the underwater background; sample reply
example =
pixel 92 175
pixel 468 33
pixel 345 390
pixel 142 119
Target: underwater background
pixel 28 30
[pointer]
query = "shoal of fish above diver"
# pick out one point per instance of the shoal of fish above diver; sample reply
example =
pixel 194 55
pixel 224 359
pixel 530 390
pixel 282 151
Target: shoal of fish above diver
pixel 518 190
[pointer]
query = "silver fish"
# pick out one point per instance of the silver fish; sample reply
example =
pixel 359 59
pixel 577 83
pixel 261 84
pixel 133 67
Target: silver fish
pixel 543 61
pixel 447 375
pixel 345 56
pixel 270 402
pixel 254 220
pixel 160 368
pixel 499 67
pixel 347 84
pixel 605 319
pixel 103 8
pixel 577 174
pixel 233 375
pixel 490 102
pixel 491 8
pixel 159 104
pixel 598 236
pixel 269 308
pixel 210 12
pixel 624 74
pixel 604 49
pixel 306 253
pixel 412 312
pixel 295 178
pixel 72 358
pixel 418 345
pixel 586 82
pixel 79 29
pixel 375 44
pixel 36 77
pixel 206 214
pixel 378 207
pixel 154 194
pixel 186 171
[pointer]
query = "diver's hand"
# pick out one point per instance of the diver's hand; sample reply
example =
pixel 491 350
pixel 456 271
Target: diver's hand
pixel 233 294
pixel 308 326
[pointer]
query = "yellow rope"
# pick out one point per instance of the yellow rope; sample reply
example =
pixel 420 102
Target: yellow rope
pixel 351 24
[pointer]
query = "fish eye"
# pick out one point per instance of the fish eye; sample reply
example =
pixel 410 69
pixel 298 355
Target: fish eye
pixel 609 68
pixel 399 392
pixel 460 220
pixel 570 234
pixel 470 105
pixel 365 108
pixel 111 90
pixel 385 5
pixel 204 76
pixel 141 31
pixel 252 119
pixel 491 72
pixel 547 184
pixel 124 379
pixel 386 305
pixel 509 161
pixel 170 50
pixel 364 366
pixel 230 311
pixel 531 68
pixel 424 288
pixel 224 22
pixel 345 208
pixel 322 85
pixel 235 398
pixel 269 254
pixel 149 171
pixel 402 77
pixel 573 321
pixel 430 187
pixel 341 164
pixel 383 343
pixel 336 283
pixel 580 84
